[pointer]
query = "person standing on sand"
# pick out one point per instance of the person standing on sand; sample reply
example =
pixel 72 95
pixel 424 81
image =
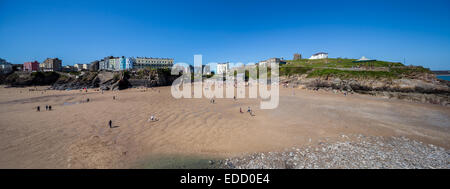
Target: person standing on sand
pixel 38 108
pixel 152 118
pixel 46 107
pixel 49 108
pixel 110 123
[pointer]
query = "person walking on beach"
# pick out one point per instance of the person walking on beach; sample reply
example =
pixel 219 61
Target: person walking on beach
pixel 110 123
pixel 250 111
pixel 152 118
pixel 46 107
pixel 38 108
pixel 49 108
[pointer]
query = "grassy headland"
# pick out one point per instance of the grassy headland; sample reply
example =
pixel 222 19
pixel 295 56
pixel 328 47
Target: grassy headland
pixel 348 68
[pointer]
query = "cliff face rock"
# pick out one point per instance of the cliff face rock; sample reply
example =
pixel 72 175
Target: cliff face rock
pixel 391 85
pixel 84 80
pixel 18 79
pixel 152 78
pixel 121 83
pixel 103 79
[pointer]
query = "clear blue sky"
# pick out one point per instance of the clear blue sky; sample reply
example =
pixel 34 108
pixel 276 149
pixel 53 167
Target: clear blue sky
pixel 79 31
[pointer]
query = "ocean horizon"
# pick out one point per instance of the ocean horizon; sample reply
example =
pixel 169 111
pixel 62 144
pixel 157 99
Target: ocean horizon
pixel 444 77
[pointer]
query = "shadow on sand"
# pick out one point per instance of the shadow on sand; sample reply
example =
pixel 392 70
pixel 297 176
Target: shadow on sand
pixel 178 162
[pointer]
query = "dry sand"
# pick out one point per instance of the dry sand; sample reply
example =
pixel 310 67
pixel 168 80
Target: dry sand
pixel 76 135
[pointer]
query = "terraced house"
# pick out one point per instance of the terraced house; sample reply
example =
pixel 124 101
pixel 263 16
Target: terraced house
pixel 127 63
pixel 144 62
pixel 51 64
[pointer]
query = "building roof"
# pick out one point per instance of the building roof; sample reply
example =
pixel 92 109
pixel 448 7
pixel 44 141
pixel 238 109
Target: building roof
pixel 364 59
pixel 154 58
pixel 319 53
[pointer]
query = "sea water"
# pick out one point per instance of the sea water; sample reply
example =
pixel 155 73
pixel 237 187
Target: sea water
pixel 444 77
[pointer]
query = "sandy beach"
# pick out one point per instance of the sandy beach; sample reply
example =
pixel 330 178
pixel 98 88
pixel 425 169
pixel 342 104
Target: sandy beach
pixel 75 134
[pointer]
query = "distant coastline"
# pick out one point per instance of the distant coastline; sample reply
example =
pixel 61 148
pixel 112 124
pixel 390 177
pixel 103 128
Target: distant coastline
pixel 441 72
pixel 444 77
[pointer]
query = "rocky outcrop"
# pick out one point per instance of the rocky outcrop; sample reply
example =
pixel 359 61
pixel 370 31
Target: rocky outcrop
pixel 115 80
pixel 151 78
pixel 391 85
pixel 20 79
pixel 121 83
pixel 85 80
pixel 427 90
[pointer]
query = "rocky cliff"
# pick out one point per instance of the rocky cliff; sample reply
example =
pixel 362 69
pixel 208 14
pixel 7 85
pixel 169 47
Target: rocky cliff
pixel 425 88
pixel 20 79
pixel 116 80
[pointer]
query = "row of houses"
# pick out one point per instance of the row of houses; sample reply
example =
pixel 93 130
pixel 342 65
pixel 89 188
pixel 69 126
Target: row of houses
pixel 110 63
pixel 128 63
pixel 223 68
pixel 49 64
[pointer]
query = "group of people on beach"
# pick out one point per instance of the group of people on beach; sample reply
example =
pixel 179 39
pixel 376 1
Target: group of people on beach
pixel 47 107
pixel 249 110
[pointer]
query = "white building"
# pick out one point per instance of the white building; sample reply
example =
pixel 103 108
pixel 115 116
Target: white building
pixel 364 59
pixel 320 55
pixel 268 62
pixel 129 63
pixel 6 68
pixel 113 64
pixel 206 70
pixel 80 67
pixel 86 66
pixel 222 68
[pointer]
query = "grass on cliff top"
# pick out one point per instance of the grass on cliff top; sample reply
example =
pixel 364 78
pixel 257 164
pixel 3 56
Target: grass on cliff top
pixel 339 63
pixel 291 70
pixel 408 70
pixel 344 74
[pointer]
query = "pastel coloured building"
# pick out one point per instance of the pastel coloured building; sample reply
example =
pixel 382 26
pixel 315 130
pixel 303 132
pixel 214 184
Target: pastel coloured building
pixel 31 66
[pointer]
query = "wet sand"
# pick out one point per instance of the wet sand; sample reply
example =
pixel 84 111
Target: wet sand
pixel 75 134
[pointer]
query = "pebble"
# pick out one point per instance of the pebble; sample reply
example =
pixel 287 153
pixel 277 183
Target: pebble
pixel 364 152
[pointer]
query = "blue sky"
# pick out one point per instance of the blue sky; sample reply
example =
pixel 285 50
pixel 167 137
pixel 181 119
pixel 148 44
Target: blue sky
pixel 80 31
